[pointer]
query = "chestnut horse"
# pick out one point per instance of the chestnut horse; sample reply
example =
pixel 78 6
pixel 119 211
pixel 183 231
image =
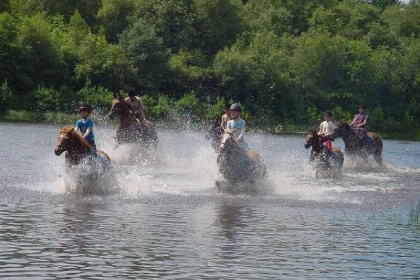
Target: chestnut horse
pixel 354 146
pixel 78 150
pixel 238 165
pixel 323 159
pixel 128 129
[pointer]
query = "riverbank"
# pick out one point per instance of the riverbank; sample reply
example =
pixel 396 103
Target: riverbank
pixel 101 118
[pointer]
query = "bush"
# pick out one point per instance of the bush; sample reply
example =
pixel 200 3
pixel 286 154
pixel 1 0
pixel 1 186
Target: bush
pixel 5 96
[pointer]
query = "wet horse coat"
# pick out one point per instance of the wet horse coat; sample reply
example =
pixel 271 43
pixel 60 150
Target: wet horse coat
pixel 238 165
pixel 354 146
pixel 323 159
pixel 79 151
pixel 128 129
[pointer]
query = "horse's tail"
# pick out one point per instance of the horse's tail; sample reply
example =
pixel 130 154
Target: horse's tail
pixel 259 166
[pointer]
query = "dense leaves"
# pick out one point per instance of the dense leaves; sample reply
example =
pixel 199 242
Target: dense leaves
pixel 284 60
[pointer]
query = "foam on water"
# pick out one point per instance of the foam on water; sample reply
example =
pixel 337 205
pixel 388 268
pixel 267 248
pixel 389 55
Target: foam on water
pixel 185 164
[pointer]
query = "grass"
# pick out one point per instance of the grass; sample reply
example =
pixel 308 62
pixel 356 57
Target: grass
pixel 414 215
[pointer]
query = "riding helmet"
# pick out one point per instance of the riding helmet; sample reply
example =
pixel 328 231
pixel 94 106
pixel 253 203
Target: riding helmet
pixel 236 107
pixel 85 106
pixel 362 106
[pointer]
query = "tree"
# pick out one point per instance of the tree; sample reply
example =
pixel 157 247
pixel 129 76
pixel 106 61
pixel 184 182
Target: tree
pixel 114 16
pixel 173 21
pixel 146 52
pixel 100 63
pixel 218 24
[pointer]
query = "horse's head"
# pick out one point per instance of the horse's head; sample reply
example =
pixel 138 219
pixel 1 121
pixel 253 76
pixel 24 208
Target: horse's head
pixel 70 140
pixel 312 139
pixel 227 140
pixel 116 106
pixel 64 140
pixel 342 129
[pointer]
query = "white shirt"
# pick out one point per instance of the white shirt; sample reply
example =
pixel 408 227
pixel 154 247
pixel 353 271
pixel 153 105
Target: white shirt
pixel 327 128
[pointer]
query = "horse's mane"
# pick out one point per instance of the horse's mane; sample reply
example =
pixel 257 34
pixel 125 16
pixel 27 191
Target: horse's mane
pixel 71 132
pixel 312 131
pixel 342 124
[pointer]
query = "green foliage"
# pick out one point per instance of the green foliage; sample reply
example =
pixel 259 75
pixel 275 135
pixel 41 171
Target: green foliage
pixel 146 52
pixel 173 21
pixel 218 24
pixel 158 109
pixel 190 106
pixel 5 96
pixel 214 111
pixel 114 17
pixel 103 64
pixel 98 96
pixel 285 61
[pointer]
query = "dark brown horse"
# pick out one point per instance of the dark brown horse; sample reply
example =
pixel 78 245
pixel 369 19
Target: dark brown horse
pixel 129 130
pixel 323 159
pixel 78 150
pixel 354 146
pixel 238 165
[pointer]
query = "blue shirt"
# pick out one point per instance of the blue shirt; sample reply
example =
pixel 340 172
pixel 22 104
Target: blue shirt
pixel 82 126
pixel 238 125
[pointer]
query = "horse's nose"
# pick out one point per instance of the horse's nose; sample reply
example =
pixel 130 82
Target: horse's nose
pixel 58 151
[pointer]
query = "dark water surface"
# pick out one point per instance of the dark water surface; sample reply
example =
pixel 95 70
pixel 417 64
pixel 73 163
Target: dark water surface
pixel 169 222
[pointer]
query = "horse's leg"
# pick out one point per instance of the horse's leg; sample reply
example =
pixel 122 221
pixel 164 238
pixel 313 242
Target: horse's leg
pixel 377 154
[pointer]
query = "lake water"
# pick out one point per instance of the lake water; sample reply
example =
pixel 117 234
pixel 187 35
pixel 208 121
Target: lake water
pixel 169 221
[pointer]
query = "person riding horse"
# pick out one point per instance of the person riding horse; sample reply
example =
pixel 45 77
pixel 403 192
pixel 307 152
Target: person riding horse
pixel 237 125
pixel 326 129
pixel 359 123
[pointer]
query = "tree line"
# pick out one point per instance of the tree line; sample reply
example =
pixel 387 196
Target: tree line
pixel 285 61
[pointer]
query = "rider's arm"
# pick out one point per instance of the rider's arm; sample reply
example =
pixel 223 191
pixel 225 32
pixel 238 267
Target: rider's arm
pixel 241 132
pixel 353 122
pixel 321 129
pixel 88 131
pixel 140 109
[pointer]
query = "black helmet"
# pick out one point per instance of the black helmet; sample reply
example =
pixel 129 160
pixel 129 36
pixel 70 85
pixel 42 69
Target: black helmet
pixel 236 107
pixel 328 113
pixel 362 106
pixel 85 106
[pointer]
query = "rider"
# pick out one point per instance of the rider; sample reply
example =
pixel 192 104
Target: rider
pixel 237 124
pixel 360 124
pixel 326 129
pixel 225 117
pixel 135 104
pixel 85 125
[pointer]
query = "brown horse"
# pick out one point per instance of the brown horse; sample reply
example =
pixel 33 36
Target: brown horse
pixel 78 150
pixel 129 130
pixel 238 165
pixel 354 146
pixel 323 159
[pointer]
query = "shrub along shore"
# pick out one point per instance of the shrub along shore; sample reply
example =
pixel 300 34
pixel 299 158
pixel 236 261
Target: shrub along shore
pixel 179 122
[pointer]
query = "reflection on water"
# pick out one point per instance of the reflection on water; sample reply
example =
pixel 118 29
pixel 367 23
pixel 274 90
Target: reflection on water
pixel 169 221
